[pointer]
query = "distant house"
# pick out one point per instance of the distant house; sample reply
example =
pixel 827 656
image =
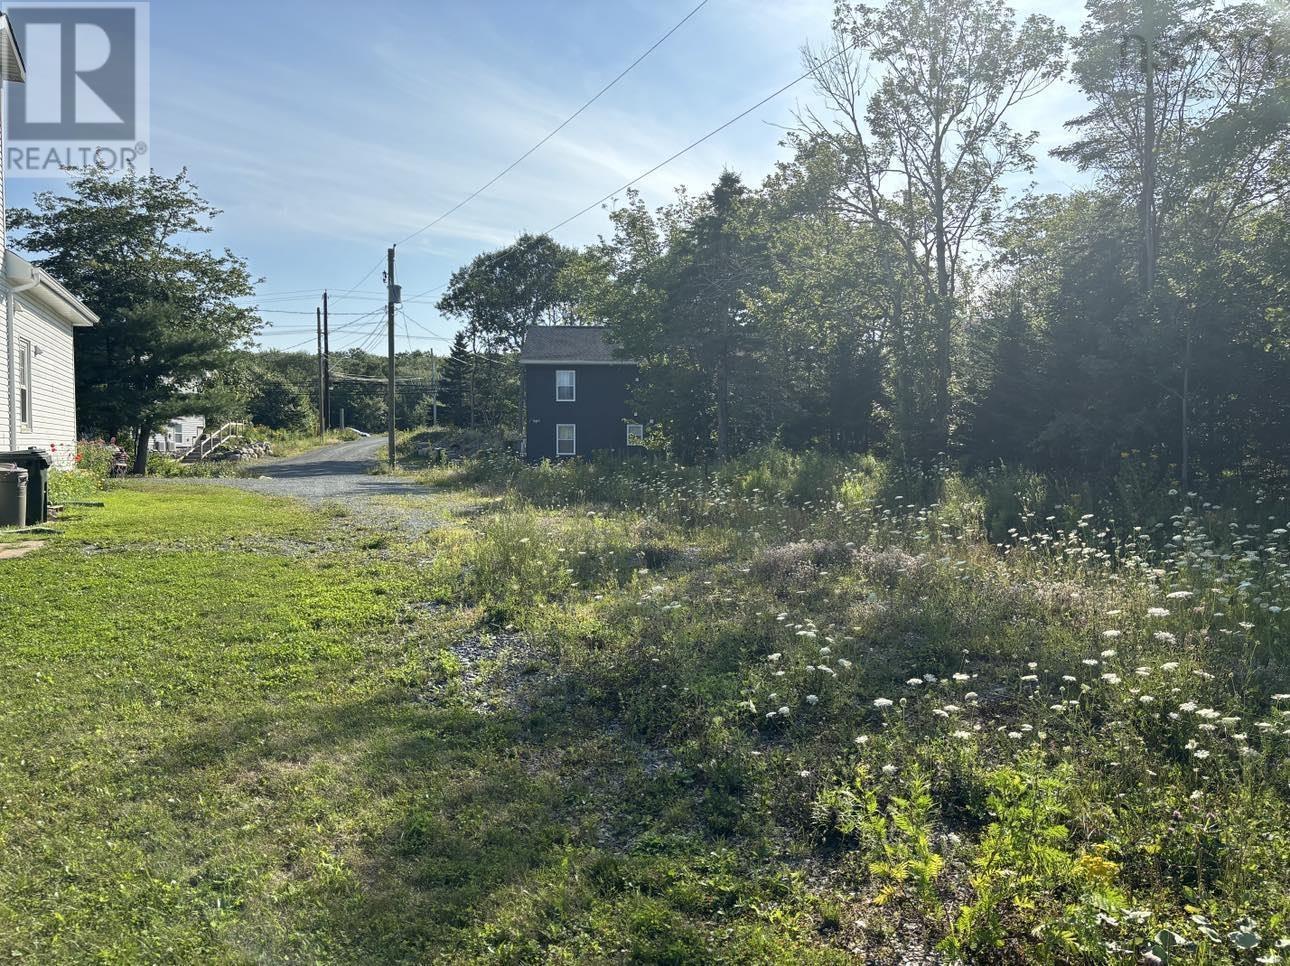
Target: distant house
pixel 38 375
pixel 179 434
pixel 577 394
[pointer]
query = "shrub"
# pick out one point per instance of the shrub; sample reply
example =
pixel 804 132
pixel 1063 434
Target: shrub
pixel 800 562
pixel 96 458
pixel 66 486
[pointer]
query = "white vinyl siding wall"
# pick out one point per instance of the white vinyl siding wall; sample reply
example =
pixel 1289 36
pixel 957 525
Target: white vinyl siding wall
pixel 53 381
pixel 179 433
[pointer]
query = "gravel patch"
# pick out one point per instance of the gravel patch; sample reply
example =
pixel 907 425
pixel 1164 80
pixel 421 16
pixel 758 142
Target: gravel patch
pixel 342 475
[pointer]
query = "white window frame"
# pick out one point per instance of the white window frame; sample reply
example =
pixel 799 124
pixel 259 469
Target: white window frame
pixel 574 441
pixel 639 434
pixel 573 385
pixel 24 389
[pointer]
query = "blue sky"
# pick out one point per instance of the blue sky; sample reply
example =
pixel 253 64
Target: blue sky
pixel 326 131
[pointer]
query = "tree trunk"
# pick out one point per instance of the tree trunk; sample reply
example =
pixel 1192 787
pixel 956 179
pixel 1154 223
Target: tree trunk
pixel 940 429
pixel 1186 402
pixel 723 363
pixel 142 436
pixel 723 409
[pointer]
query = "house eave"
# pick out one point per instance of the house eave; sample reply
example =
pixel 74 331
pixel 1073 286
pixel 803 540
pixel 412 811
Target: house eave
pixel 12 67
pixel 578 362
pixel 47 290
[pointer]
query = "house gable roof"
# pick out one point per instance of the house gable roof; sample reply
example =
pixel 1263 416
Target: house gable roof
pixel 12 67
pixel 39 285
pixel 582 344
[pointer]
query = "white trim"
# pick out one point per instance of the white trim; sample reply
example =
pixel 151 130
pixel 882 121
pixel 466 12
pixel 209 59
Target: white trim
pixel 640 434
pixel 12 67
pixel 573 384
pixel 572 426
pixel 26 359
pixel 23 276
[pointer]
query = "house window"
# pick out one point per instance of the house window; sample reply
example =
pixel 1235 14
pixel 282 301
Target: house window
pixel 566 439
pixel 566 385
pixel 24 384
pixel 635 434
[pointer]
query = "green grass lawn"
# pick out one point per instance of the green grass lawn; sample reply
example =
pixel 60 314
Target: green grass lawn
pixel 617 717
pixel 217 744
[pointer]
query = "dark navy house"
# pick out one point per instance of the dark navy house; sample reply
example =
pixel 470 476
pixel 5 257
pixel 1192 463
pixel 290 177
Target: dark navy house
pixel 577 394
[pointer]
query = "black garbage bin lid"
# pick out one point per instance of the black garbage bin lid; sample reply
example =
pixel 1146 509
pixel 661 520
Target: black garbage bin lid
pixel 27 456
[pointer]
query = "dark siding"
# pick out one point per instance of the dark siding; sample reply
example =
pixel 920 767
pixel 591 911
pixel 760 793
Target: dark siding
pixel 601 411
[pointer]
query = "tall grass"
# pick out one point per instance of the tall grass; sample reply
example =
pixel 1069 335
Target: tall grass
pixel 1049 722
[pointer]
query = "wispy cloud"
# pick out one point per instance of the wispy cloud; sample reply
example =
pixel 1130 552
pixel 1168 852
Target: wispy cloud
pixel 358 132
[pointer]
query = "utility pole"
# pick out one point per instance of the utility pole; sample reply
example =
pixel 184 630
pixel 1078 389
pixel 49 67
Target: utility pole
pixel 474 360
pixel 393 299
pixel 434 386
pixel 326 355
pixel 322 383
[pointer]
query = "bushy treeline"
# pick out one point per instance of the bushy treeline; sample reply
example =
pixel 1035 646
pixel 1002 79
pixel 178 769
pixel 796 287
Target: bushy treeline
pixel 280 389
pixel 889 289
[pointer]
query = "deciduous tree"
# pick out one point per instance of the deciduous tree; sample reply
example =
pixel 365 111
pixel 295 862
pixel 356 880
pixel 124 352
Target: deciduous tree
pixel 169 317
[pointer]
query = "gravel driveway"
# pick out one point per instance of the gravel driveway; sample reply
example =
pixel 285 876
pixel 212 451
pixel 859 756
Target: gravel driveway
pixel 342 474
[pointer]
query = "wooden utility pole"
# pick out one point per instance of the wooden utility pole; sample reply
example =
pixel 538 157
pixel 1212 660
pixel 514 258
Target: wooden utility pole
pixel 393 293
pixel 322 383
pixel 474 360
pixel 326 356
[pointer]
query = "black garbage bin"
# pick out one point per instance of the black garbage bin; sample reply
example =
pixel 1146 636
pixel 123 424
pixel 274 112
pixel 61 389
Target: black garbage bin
pixel 37 464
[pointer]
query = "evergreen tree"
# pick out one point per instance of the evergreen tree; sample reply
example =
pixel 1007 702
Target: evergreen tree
pixel 169 319
pixel 1004 424
pixel 454 377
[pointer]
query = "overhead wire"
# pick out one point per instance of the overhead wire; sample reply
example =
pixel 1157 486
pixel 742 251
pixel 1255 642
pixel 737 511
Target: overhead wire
pixel 511 167
pixel 668 160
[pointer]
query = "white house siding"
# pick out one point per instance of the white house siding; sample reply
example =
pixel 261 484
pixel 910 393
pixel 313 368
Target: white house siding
pixel 180 432
pixel 4 218
pixel 53 382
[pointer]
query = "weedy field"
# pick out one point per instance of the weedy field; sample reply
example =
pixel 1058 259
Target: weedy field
pixel 800 710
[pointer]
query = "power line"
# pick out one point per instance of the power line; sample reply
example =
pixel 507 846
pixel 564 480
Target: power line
pixel 666 161
pixel 407 335
pixel 307 312
pixel 348 326
pixel 560 127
